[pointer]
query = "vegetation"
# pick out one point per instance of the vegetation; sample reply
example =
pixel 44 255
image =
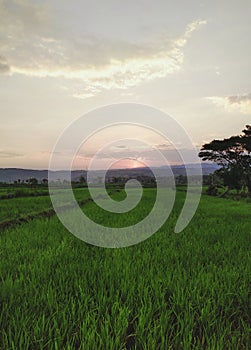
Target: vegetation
pixel 31 204
pixel 173 291
pixel 13 192
pixel 233 156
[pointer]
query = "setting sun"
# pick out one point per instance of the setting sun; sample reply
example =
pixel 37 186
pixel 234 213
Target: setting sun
pixel 127 163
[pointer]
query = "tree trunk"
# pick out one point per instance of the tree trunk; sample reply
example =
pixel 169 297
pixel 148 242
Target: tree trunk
pixel 248 183
pixel 224 193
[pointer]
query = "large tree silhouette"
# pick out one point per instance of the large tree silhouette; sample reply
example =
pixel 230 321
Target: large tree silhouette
pixel 233 156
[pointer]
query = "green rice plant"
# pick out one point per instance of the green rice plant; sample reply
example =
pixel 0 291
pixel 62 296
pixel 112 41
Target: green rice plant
pixel 189 290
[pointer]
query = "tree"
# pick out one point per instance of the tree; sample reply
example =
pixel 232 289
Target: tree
pixel 44 181
pixel 233 156
pixel 82 180
pixel 246 138
pixel 33 181
pixel 181 180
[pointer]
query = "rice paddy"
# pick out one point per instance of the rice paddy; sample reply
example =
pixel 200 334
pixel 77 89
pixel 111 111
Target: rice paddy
pixel 190 290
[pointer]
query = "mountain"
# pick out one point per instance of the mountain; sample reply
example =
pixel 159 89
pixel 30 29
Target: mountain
pixel 10 175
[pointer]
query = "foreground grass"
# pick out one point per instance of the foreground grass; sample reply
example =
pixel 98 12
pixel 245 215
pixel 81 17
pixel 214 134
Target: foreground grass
pixel 174 291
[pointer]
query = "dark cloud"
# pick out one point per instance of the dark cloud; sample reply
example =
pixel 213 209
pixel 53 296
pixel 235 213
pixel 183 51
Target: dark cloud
pixel 239 98
pixel 121 146
pixel 235 103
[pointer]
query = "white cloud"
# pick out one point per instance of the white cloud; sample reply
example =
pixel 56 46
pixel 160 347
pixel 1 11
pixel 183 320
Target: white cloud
pixel 191 27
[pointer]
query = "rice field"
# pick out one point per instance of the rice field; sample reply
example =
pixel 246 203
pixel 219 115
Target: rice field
pixel 190 290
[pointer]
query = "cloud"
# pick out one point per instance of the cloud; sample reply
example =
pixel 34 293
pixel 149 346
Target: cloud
pixel 163 146
pixel 6 154
pixel 4 67
pixel 83 96
pixel 149 154
pixel 235 103
pixel 120 147
pixel 119 65
pixel 22 17
pixel 191 27
pixel 239 98
pixel 35 45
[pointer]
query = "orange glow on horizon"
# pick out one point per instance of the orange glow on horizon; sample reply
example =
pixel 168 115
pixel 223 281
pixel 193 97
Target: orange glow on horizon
pixel 128 164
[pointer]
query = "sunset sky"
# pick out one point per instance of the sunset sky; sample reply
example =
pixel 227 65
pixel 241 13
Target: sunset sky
pixel 60 59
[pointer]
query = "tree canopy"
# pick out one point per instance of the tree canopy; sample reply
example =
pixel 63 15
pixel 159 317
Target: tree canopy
pixel 233 156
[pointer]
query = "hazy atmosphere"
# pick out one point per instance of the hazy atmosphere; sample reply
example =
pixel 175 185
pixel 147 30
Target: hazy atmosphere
pixel 60 59
pixel 125 175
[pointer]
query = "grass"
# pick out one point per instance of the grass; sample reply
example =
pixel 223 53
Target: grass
pixel 173 291
pixel 9 192
pixel 15 208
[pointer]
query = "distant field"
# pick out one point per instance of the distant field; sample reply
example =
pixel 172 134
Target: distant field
pixel 18 191
pixel 190 290
pixel 21 206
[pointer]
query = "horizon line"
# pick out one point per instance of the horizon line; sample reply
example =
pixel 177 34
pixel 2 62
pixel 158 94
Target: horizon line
pixel 86 170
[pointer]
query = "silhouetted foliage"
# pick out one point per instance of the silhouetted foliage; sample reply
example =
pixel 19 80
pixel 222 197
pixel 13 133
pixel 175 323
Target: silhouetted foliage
pixel 44 181
pixel 33 181
pixel 233 155
pixel 181 180
pixel 212 190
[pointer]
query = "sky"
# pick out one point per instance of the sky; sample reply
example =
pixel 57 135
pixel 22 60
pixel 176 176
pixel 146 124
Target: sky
pixel 61 59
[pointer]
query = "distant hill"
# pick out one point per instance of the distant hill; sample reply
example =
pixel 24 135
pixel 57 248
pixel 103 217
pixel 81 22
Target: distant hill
pixel 13 174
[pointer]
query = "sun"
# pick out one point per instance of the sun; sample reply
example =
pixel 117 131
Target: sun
pixel 134 163
pixel 127 163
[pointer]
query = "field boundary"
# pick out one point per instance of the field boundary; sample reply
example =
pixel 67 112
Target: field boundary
pixel 23 195
pixel 4 225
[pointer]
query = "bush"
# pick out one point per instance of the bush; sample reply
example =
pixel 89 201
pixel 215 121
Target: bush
pixel 212 190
